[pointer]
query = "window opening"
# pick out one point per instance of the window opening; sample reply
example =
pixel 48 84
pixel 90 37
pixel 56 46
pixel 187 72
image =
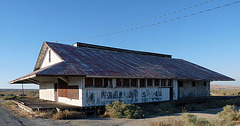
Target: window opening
pixel 142 83
pixel 88 82
pixel 119 82
pixel 126 83
pixel 156 82
pixel 133 82
pixel 180 83
pixel 98 82
pixel 193 83
pixel 170 82
pixel 149 82
pixel 204 83
pixel 105 82
pixel 163 82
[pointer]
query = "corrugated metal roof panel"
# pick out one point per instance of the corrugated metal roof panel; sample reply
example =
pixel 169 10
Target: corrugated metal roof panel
pixel 102 62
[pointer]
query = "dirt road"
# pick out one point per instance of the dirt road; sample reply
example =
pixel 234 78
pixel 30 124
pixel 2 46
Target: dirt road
pixel 7 119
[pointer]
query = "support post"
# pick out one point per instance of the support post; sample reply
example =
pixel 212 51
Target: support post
pixel 22 89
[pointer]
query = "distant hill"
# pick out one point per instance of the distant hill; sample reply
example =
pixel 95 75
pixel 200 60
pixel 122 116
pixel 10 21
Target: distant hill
pixel 224 87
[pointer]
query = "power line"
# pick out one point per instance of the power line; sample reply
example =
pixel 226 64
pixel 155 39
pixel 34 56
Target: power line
pixel 141 22
pixel 144 26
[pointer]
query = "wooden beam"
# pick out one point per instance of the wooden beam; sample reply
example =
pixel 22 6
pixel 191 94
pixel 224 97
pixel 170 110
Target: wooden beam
pixel 64 79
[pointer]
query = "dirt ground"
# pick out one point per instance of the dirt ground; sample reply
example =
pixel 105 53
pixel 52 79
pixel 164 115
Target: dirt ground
pixel 207 114
pixel 97 121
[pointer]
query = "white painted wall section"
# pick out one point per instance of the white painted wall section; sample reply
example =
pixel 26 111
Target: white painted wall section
pixel 69 101
pixel 54 58
pixel 46 91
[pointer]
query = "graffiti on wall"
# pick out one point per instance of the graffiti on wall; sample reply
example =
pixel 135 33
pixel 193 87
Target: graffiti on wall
pixel 103 97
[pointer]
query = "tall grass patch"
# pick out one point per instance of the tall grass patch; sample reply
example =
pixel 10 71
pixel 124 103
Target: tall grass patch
pixel 229 113
pixel 120 110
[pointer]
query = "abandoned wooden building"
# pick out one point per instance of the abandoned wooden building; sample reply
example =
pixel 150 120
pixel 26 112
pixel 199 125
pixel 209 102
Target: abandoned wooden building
pixel 92 75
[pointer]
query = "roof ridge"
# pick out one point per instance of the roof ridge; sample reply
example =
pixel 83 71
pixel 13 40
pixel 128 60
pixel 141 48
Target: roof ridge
pixel 80 44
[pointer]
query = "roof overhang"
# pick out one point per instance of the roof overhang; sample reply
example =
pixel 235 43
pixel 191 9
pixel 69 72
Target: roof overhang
pixel 37 78
pixel 26 80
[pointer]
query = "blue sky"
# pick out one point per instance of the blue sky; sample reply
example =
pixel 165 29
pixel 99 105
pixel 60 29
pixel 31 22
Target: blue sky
pixel 210 39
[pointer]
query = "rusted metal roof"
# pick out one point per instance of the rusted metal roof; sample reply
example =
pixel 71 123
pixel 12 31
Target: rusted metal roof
pixel 89 61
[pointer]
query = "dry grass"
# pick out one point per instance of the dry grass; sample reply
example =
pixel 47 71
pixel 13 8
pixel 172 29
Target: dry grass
pixel 223 92
pixel 68 115
pixel 192 120
pixel 52 114
pixel 168 122
pixel 16 92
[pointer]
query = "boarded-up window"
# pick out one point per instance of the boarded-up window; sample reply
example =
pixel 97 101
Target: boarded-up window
pixel 133 82
pixel 156 82
pixel 119 82
pixel 98 82
pixel 170 82
pixel 163 82
pixel 180 83
pixel 142 83
pixel 126 83
pixel 89 82
pixel 72 92
pixel 64 90
pixel 149 82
